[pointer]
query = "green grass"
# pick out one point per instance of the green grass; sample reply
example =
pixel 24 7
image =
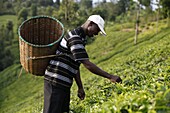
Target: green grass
pixel 15 90
pixel 144 68
pixel 5 18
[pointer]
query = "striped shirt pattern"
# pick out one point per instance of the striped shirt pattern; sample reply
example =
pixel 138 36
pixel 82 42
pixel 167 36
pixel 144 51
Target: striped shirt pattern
pixel 63 68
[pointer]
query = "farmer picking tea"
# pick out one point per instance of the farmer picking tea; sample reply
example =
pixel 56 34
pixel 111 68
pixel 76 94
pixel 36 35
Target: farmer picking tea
pixel 65 66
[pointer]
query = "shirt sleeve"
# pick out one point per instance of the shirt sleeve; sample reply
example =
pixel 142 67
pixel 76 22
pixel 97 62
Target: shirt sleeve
pixel 77 48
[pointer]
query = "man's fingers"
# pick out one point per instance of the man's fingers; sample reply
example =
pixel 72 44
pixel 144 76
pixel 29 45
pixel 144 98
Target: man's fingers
pixel 81 95
pixel 119 80
pixel 116 79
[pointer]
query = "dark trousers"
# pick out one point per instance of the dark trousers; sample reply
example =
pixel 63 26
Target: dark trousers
pixel 56 100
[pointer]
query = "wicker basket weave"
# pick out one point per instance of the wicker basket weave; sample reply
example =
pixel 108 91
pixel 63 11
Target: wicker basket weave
pixel 38 41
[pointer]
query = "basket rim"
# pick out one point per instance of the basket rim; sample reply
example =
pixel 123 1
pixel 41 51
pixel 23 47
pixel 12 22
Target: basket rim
pixel 41 16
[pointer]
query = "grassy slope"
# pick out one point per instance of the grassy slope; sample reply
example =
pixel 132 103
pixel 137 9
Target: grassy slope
pixel 15 91
pixel 5 18
pixel 143 67
pixel 14 47
pixel 18 92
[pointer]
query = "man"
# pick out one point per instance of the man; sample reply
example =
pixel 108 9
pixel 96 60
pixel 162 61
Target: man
pixel 65 66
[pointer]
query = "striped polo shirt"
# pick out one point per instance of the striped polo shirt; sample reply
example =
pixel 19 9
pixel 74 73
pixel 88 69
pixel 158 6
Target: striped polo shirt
pixel 63 68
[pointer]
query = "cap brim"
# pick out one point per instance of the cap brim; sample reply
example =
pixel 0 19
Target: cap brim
pixel 102 30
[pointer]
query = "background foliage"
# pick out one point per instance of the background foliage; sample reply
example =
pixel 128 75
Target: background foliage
pixel 144 66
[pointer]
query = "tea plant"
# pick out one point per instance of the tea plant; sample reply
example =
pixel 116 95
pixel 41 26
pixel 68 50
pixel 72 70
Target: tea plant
pixel 144 68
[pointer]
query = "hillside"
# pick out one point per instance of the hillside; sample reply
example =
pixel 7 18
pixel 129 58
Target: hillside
pixel 144 68
pixel 13 45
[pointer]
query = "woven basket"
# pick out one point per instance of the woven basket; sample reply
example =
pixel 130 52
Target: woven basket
pixel 38 41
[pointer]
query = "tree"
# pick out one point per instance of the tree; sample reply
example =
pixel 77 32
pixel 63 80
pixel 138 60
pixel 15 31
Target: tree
pixel 145 2
pixel 157 12
pixel 6 56
pixel 28 3
pixel 166 10
pixel 139 3
pixel 2 46
pixel 70 14
pixel 33 10
pixel 9 35
pixel 23 13
pixel 123 6
pixel 9 26
pixel 70 8
pixel 8 5
pixel 45 3
pixel 49 10
pixel 1 7
pixel 57 4
pixel 85 7
pixel 17 6
pixel 137 23
pixel 100 10
pixel 86 4
pixel 8 59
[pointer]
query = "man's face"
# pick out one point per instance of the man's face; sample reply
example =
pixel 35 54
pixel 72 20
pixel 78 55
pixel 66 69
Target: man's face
pixel 93 29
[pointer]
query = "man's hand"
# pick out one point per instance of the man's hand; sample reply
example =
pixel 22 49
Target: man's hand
pixel 81 93
pixel 115 79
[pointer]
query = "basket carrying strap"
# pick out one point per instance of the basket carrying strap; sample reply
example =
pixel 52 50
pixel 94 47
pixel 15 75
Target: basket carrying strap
pixel 63 43
pixel 20 72
pixel 40 57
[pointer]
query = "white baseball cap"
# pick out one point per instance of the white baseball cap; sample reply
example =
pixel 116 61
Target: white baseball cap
pixel 97 19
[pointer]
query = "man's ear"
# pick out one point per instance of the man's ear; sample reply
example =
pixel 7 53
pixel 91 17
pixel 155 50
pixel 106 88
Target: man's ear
pixel 91 23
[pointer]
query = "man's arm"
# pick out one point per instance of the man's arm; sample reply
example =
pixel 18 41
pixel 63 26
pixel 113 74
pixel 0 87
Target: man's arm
pixel 96 70
pixel 81 93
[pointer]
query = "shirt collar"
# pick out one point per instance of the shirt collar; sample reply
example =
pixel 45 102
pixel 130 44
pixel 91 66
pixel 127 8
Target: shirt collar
pixel 81 32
